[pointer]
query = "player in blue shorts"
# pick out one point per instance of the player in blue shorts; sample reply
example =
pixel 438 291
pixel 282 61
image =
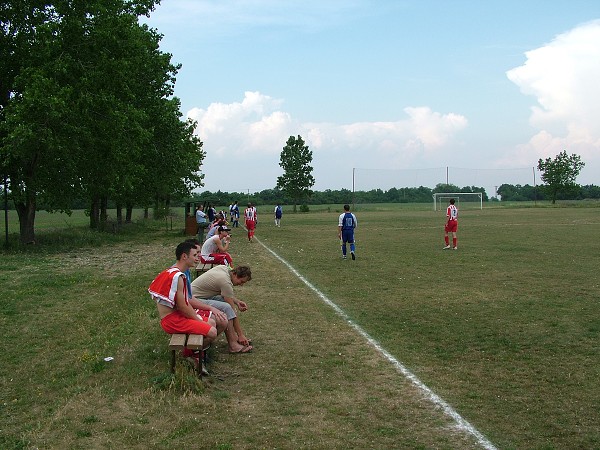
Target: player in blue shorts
pixel 346 225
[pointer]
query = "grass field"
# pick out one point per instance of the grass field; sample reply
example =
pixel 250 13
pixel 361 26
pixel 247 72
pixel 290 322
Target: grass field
pixel 506 330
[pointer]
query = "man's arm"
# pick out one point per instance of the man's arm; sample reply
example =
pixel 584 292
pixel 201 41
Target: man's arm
pixel 233 302
pixel 180 303
pixel 223 248
pixel 197 304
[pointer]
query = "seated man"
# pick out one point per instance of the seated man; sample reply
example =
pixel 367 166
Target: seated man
pixel 219 316
pixel 169 290
pixel 215 288
pixel 213 230
pixel 214 250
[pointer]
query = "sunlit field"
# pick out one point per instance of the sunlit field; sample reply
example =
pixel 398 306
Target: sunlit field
pixel 506 330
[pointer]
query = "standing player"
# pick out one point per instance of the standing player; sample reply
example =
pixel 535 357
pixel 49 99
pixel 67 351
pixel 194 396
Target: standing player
pixel 251 218
pixel 235 215
pixel 346 225
pixel 451 225
pixel 278 215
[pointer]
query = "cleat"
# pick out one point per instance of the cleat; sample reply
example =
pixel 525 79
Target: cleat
pixel 446 247
pixel 203 370
pixel 353 256
pixel 454 248
pixel 343 256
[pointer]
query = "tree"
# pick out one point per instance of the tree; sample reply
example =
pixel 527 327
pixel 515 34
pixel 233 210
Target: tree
pixel 297 178
pixel 560 173
pixel 85 92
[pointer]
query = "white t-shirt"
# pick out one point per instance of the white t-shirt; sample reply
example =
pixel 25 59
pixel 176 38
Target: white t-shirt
pixel 210 246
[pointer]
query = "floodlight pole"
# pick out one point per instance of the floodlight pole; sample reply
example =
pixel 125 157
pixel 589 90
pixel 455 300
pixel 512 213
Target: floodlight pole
pixel 534 188
pixel 353 196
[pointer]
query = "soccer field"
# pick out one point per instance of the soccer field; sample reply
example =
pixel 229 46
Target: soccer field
pixel 505 330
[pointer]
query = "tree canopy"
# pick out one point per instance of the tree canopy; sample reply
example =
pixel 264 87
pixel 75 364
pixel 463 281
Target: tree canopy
pixel 560 173
pixel 86 109
pixel 297 179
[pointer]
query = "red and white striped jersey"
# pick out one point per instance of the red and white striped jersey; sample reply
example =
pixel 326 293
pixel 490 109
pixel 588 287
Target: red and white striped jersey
pixel 452 212
pixel 250 214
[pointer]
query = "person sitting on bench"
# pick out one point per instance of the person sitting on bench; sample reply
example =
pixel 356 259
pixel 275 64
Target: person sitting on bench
pixel 169 290
pixel 214 250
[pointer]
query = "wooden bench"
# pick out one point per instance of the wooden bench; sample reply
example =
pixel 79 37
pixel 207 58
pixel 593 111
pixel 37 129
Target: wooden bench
pixel 204 267
pixel 190 341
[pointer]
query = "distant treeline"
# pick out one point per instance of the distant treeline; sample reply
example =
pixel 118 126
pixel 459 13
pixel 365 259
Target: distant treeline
pixel 509 192
pixel 421 194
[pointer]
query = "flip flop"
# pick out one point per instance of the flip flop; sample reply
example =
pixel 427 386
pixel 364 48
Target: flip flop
pixel 246 349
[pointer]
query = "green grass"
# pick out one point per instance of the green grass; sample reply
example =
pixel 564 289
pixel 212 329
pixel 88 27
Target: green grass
pixel 506 330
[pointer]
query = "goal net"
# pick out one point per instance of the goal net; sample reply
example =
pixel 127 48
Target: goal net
pixel 469 199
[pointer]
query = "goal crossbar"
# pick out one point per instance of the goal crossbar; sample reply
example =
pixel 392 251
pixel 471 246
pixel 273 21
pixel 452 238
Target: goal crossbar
pixel 456 195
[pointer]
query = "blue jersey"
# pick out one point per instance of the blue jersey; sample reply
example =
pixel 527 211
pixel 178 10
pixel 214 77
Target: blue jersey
pixel 347 221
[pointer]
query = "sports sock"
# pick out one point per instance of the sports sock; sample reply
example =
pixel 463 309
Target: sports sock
pixel 447 240
pixel 454 242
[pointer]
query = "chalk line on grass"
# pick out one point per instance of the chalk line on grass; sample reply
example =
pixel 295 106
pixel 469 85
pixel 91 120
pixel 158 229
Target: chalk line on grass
pixel 461 423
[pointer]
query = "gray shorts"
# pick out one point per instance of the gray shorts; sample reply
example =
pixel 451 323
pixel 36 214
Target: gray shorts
pixel 219 302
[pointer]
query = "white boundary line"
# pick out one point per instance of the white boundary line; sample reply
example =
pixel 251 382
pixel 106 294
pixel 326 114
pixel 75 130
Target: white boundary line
pixel 461 423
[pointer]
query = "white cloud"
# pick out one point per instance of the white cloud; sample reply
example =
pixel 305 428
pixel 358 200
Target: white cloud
pixel 563 76
pixel 252 133
pixel 256 126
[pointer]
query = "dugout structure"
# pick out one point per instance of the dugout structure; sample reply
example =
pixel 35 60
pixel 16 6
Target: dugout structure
pixel 440 199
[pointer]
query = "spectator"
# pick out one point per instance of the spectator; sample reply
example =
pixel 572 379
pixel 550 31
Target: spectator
pixel 215 288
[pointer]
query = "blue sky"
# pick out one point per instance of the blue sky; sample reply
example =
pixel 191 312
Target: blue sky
pixel 399 90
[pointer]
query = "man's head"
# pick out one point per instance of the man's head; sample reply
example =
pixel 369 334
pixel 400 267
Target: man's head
pixel 249 205
pixel 187 253
pixel 196 243
pixel 346 207
pixel 452 201
pixel 223 231
pixel 241 275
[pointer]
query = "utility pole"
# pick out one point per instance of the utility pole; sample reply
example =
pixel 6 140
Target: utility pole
pixel 6 210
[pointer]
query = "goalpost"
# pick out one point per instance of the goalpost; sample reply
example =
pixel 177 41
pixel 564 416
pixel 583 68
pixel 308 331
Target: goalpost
pixel 440 199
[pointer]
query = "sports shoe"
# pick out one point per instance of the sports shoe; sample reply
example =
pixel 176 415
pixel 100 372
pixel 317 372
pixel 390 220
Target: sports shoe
pixel 446 247
pixel 454 248
pixel 353 256
pixel 203 370
pixel 343 256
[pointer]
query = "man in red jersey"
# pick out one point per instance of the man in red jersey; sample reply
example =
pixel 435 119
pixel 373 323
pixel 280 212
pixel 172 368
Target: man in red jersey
pixel 251 218
pixel 451 225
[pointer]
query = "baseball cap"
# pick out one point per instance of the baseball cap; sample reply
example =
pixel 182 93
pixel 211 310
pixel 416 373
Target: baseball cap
pixel 224 228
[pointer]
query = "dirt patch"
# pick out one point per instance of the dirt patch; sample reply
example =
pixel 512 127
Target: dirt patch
pixel 115 260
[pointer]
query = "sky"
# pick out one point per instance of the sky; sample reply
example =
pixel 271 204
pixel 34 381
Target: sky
pixel 387 93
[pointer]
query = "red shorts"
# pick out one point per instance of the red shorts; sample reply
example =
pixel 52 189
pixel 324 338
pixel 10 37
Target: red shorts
pixel 451 226
pixel 250 225
pixel 217 258
pixel 176 322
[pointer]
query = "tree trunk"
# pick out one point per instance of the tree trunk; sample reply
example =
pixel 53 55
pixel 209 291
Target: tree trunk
pixel 26 213
pixel 128 213
pixel 119 214
pixel 95 214
pixel 103 213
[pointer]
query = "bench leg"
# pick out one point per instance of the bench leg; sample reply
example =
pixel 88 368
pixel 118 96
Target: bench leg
pixel 173 361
